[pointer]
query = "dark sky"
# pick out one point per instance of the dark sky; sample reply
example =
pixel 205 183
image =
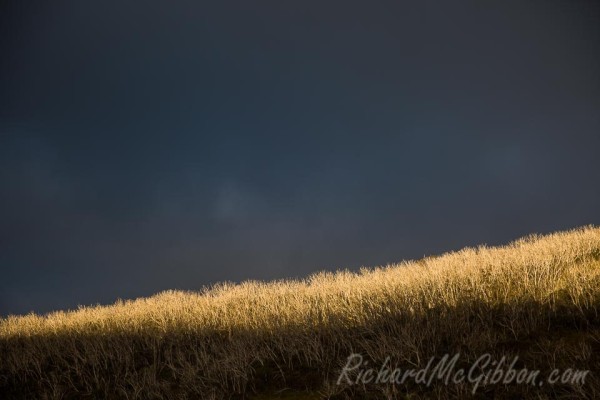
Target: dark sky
pixel 150 145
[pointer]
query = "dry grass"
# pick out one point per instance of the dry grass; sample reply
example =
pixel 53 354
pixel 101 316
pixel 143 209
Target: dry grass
pixel 537 297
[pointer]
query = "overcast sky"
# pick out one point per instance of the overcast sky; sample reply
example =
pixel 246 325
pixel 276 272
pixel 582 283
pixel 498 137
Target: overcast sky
pixel 149 145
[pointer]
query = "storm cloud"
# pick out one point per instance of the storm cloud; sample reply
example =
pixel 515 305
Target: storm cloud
pixel 147 146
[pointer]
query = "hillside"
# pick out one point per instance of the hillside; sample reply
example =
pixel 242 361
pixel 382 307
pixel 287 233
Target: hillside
pixel 537 298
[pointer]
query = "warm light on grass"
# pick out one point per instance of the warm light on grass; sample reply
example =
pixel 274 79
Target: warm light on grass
pixel 252 337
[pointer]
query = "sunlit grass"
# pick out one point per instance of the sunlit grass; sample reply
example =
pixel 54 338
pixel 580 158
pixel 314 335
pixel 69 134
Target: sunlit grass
pixel 247 338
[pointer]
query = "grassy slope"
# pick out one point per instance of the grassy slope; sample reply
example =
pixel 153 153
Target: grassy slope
pixel 537 297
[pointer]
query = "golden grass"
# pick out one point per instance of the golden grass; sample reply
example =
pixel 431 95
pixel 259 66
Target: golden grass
pixel 537 297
